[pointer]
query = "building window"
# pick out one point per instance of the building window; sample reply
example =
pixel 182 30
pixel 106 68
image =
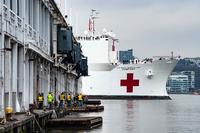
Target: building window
pixel 11 4
pixel 29 12
pixel 18 7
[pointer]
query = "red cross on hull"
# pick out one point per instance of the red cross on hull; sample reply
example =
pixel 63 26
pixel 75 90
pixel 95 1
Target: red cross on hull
pixel 129 82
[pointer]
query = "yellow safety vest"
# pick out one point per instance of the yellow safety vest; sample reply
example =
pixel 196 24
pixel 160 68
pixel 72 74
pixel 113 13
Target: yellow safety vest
pixel 62 97
pixel 40 99
pixel 49 98
pixel 80 97
pixel 69 98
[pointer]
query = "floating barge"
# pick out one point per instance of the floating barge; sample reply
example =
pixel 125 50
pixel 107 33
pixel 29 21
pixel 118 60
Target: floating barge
pixel 88 108
pixel 92 102
pixel 74 122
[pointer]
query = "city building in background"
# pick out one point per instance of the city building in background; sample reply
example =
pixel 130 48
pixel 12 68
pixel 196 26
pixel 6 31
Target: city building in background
pixel 126 56
pixel 191 79
pixel 191 68
pixel 178 83
pixel 193 64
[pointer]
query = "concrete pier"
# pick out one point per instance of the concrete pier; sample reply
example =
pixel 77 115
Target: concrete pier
pixel 20 123
pixel 30 63
pixel 34 61
pixel 41 120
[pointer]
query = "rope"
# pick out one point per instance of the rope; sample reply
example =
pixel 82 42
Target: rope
pixel 3 121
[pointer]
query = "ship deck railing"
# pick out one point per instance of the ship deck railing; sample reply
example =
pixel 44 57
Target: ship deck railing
pixel 91 38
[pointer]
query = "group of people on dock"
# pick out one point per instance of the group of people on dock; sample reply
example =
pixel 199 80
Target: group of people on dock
pixel 66 100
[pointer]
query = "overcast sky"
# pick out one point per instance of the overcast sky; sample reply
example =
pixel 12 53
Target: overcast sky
pixel 150 27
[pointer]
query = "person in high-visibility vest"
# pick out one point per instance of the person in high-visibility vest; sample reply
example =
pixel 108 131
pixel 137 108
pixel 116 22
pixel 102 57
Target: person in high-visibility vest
pixel 62 100
pixel 40 100
pixel 69 100
pixel 80 100
pixel 50 99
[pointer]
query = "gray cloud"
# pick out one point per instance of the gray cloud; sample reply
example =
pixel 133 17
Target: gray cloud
pixel 150 27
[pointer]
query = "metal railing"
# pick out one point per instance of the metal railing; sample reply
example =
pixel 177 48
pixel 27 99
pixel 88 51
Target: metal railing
pixel 19 22
pixel 5 12
pixel 12 17
pixel 15 22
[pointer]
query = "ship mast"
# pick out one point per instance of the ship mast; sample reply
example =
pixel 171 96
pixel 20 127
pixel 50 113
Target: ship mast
pixel 113 43
pixel 93 16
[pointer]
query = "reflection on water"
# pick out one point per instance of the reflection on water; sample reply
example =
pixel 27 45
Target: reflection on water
pixel 180 115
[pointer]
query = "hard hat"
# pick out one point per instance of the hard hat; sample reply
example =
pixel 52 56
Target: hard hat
pixel 9 110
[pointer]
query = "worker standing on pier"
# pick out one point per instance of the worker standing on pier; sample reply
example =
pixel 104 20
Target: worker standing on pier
pixel 50 100
pixel 80 100
pixel 62 100
pixel 40 100
pixel 85 98
pixel 69 99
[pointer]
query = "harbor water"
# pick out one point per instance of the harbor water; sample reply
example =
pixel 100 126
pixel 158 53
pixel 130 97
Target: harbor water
pixel 179 115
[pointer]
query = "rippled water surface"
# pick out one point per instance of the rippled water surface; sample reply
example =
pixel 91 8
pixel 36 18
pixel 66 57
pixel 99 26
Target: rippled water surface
pixel 179 115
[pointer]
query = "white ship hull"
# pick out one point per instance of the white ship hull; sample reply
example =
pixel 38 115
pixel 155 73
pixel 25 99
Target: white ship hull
pixel 105 82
